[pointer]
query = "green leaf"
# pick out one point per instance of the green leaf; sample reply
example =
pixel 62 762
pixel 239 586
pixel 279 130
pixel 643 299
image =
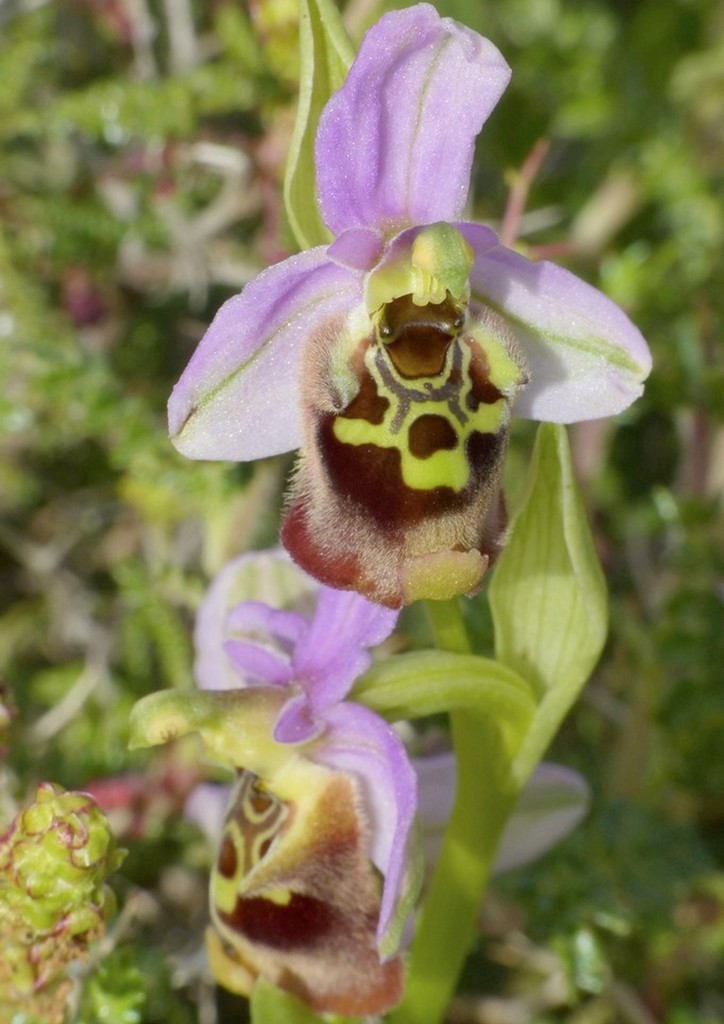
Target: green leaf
pixel 270 1005
pixel 326 54
pixel 548 594
pixel 429 682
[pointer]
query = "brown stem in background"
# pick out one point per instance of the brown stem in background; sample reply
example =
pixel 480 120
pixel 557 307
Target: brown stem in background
pixel 518 195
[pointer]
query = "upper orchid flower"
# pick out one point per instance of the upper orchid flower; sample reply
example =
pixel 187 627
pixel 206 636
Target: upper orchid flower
pixel 324 793
pixel 396 356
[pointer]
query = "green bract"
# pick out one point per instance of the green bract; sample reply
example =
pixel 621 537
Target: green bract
pixel 548 594
pixel 427 683
pixel 326 54
pixel 271 1005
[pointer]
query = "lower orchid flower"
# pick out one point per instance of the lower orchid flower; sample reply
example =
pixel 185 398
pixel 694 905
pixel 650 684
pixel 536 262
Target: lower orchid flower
pixel 552 804
pixel 315 876
pixel 396 356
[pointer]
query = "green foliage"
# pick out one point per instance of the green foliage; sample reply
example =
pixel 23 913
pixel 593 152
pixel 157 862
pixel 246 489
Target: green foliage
pixel 115 993
pixel 608 876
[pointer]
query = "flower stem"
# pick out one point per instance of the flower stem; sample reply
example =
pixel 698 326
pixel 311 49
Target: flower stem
pixel 484 798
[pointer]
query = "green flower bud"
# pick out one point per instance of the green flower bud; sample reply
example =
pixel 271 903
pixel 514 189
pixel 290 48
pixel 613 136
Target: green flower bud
pixel 54 860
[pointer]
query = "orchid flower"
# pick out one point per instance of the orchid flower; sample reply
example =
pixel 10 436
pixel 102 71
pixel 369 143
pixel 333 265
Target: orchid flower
pixel 552 804
pixel 396 355
pixel 324 797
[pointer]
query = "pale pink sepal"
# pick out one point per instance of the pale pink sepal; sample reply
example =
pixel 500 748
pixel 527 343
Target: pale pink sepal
pixel 395 143
pixel 360 742
pixel 586 358
pixel 239 396
pixel 553 802
pixel 259 576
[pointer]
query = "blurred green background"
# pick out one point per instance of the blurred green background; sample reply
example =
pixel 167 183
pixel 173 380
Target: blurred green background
pixel 142 146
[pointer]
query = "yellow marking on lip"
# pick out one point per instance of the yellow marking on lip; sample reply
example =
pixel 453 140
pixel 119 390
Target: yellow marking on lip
pixel 448 467
pixel 282 897
pixel 224 890
pixel 503 372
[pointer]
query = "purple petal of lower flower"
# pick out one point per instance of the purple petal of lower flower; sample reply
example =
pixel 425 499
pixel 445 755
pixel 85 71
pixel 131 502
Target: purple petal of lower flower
pixel 358 741
pixel 553 802
pixel 206 807
pixel 586 358
pixel 395 143
pixel 333 652
pixel 264 576
pixel 257 664
pixel 295 723
pixel 238 398
pixel 256 619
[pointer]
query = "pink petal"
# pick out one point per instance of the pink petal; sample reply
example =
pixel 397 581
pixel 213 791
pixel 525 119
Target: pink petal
pixel 260 576
pixel 206 807
pixel 256 619
pixel 257 664
pixel 295 723
pixel 357 248
pixel 552 803
pixel 333 652
pixel 238 398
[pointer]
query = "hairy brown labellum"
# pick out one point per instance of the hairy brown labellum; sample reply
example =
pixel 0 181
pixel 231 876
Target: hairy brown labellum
pixel 295 899
pixel 397 493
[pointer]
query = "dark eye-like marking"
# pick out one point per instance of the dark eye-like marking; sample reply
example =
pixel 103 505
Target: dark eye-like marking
pixel 430 433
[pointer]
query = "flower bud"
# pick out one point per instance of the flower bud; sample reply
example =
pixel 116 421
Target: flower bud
pixel 54 860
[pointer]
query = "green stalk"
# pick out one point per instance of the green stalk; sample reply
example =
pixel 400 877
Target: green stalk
pixel 484 798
